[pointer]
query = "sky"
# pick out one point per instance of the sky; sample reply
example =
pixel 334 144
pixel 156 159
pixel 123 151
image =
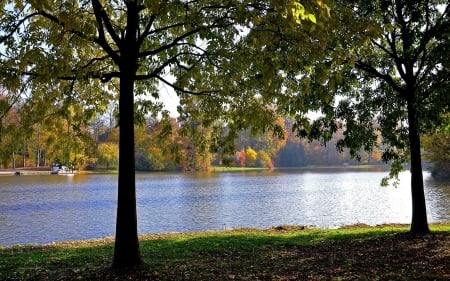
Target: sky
pixel 170 99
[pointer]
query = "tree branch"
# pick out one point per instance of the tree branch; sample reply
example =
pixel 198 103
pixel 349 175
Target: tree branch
pixel 101 40
pixel 175 87
pixel 14 29
pixel 146 31
pixel 102 17
pixel 385 77
pixel 170 45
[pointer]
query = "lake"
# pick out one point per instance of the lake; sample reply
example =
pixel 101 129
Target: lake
pixel 44 209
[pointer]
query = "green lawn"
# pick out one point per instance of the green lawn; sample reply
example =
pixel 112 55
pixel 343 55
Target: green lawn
pixel 283 253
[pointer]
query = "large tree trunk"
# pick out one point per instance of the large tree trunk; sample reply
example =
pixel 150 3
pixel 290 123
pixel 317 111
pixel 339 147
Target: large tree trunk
pixel 126 250
pixel 419 223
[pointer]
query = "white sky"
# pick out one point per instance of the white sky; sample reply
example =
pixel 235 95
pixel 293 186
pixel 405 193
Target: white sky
pixel 169 98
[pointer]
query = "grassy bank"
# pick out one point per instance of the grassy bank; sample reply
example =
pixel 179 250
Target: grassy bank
pixel 308 168
pixel 283 253
pixel 235 169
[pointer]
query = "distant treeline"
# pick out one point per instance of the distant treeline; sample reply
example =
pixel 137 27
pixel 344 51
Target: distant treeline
pixel 160 146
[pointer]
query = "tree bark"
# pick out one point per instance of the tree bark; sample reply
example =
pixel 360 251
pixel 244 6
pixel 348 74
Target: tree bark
pixel 419 223
pixel 126 249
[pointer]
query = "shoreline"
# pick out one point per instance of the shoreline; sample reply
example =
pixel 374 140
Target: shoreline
pixel 280 229
pixel 214 169
pixel 28 171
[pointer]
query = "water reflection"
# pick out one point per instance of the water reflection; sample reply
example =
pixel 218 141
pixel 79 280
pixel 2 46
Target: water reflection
pixel 43 209
pixel 438 206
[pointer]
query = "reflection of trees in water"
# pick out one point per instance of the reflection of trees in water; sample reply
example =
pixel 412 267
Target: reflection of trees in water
pixel 438 198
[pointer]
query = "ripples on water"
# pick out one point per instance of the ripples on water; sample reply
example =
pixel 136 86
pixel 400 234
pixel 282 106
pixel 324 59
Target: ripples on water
pixel 43 209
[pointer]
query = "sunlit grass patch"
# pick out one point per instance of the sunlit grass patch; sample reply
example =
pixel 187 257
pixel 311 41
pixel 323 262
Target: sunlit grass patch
pixel 285 252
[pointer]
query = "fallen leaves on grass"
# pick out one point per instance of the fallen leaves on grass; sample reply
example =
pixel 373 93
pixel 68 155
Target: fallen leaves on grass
pixel 267 255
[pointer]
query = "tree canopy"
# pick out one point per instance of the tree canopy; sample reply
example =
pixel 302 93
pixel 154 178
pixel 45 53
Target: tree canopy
pixel 395 67
pixel 80 54
pixel 374 69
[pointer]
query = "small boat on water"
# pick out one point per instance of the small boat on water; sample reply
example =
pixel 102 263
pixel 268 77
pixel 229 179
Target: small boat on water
pixel 59 169
pixel 65 173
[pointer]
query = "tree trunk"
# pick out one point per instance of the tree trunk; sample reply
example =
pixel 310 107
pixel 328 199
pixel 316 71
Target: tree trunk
pixel 126 249
pixel 419 223
pixel 23 154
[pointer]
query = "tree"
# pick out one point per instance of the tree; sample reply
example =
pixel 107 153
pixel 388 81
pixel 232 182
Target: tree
pixel 385 63
pixel 264 160
pixel 437 150
pixel 251 76
pixel 291 155
pixel 130 45
pixel 250 157
pixel 394 64
pixel 108 154
pixel 86 50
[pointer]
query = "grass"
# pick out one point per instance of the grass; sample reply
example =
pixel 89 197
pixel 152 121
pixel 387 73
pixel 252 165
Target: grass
pixel 235 169
pixel 283 253
pixel 313 167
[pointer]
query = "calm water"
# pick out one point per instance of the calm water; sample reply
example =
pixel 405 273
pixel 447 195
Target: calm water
pixel 43 209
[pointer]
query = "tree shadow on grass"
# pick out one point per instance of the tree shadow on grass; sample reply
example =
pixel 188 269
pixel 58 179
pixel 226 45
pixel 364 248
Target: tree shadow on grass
pixel 246 256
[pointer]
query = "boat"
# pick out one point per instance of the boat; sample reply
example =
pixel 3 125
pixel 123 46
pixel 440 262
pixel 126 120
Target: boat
pixel 59 169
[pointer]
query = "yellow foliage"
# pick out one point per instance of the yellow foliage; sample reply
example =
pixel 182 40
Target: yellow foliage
pixel 324 6
pixel 250 156
pixel 298 13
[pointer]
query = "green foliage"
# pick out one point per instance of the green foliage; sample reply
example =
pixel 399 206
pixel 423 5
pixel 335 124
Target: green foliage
pixel 437 151
pixel 386 66
pixel 248 77
pixel 297 12
pixel 383 74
